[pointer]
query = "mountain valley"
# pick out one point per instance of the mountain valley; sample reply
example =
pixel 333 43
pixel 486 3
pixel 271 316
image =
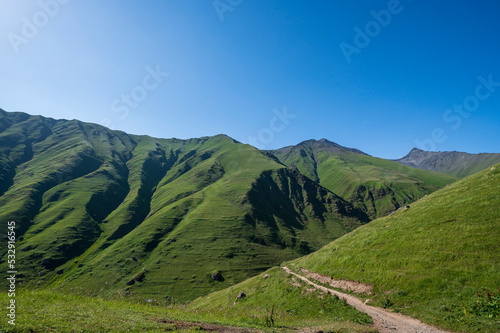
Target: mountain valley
pixel 192 223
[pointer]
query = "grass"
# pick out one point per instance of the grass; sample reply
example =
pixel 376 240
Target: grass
pixel 429 261
pixel 79 310
pixel 50 311
pixel 293 305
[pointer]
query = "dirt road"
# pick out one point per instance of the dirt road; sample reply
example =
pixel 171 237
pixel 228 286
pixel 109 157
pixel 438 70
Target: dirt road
pixel 384 321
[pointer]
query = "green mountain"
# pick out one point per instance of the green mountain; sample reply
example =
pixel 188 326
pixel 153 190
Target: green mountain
pixel 453 163
pixel 374 185
pixel 437 261
pixel 114 212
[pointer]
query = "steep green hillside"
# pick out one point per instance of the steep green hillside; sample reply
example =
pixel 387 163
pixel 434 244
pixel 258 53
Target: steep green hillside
pixel 106 210
pixel 374 185
pixel 437 261
pixel 453 163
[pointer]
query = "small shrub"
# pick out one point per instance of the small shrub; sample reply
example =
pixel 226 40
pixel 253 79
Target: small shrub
pixel 487 305
pixel 269 320
pixel 401 293
pixel 387 303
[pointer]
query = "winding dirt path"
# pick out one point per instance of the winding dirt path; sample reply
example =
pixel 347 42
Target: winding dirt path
pixel 384 321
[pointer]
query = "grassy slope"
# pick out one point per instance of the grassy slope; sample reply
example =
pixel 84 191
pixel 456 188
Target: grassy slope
pixel 294 305
pixel 431 258
pixel 200 224
pixel 102 206
pixel 52 311
pixel 374 185
pixel 79 310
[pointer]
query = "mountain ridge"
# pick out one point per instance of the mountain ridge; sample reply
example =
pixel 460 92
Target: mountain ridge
pixel 321 143
pixel 94 204
pixel 154 215
pixel 375 185
pixel 454 163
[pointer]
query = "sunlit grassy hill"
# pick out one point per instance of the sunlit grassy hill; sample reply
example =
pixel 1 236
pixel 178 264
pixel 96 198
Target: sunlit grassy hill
pixel 438 261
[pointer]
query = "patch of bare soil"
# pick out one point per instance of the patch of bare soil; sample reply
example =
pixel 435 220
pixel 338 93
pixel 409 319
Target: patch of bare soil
pixel 356 287
pixel 384 321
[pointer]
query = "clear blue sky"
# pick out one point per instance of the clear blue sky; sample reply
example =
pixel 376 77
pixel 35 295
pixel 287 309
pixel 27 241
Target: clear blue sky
pixel 233 66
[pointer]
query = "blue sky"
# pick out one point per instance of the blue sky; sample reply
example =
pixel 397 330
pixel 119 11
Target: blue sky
pixel 380 76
